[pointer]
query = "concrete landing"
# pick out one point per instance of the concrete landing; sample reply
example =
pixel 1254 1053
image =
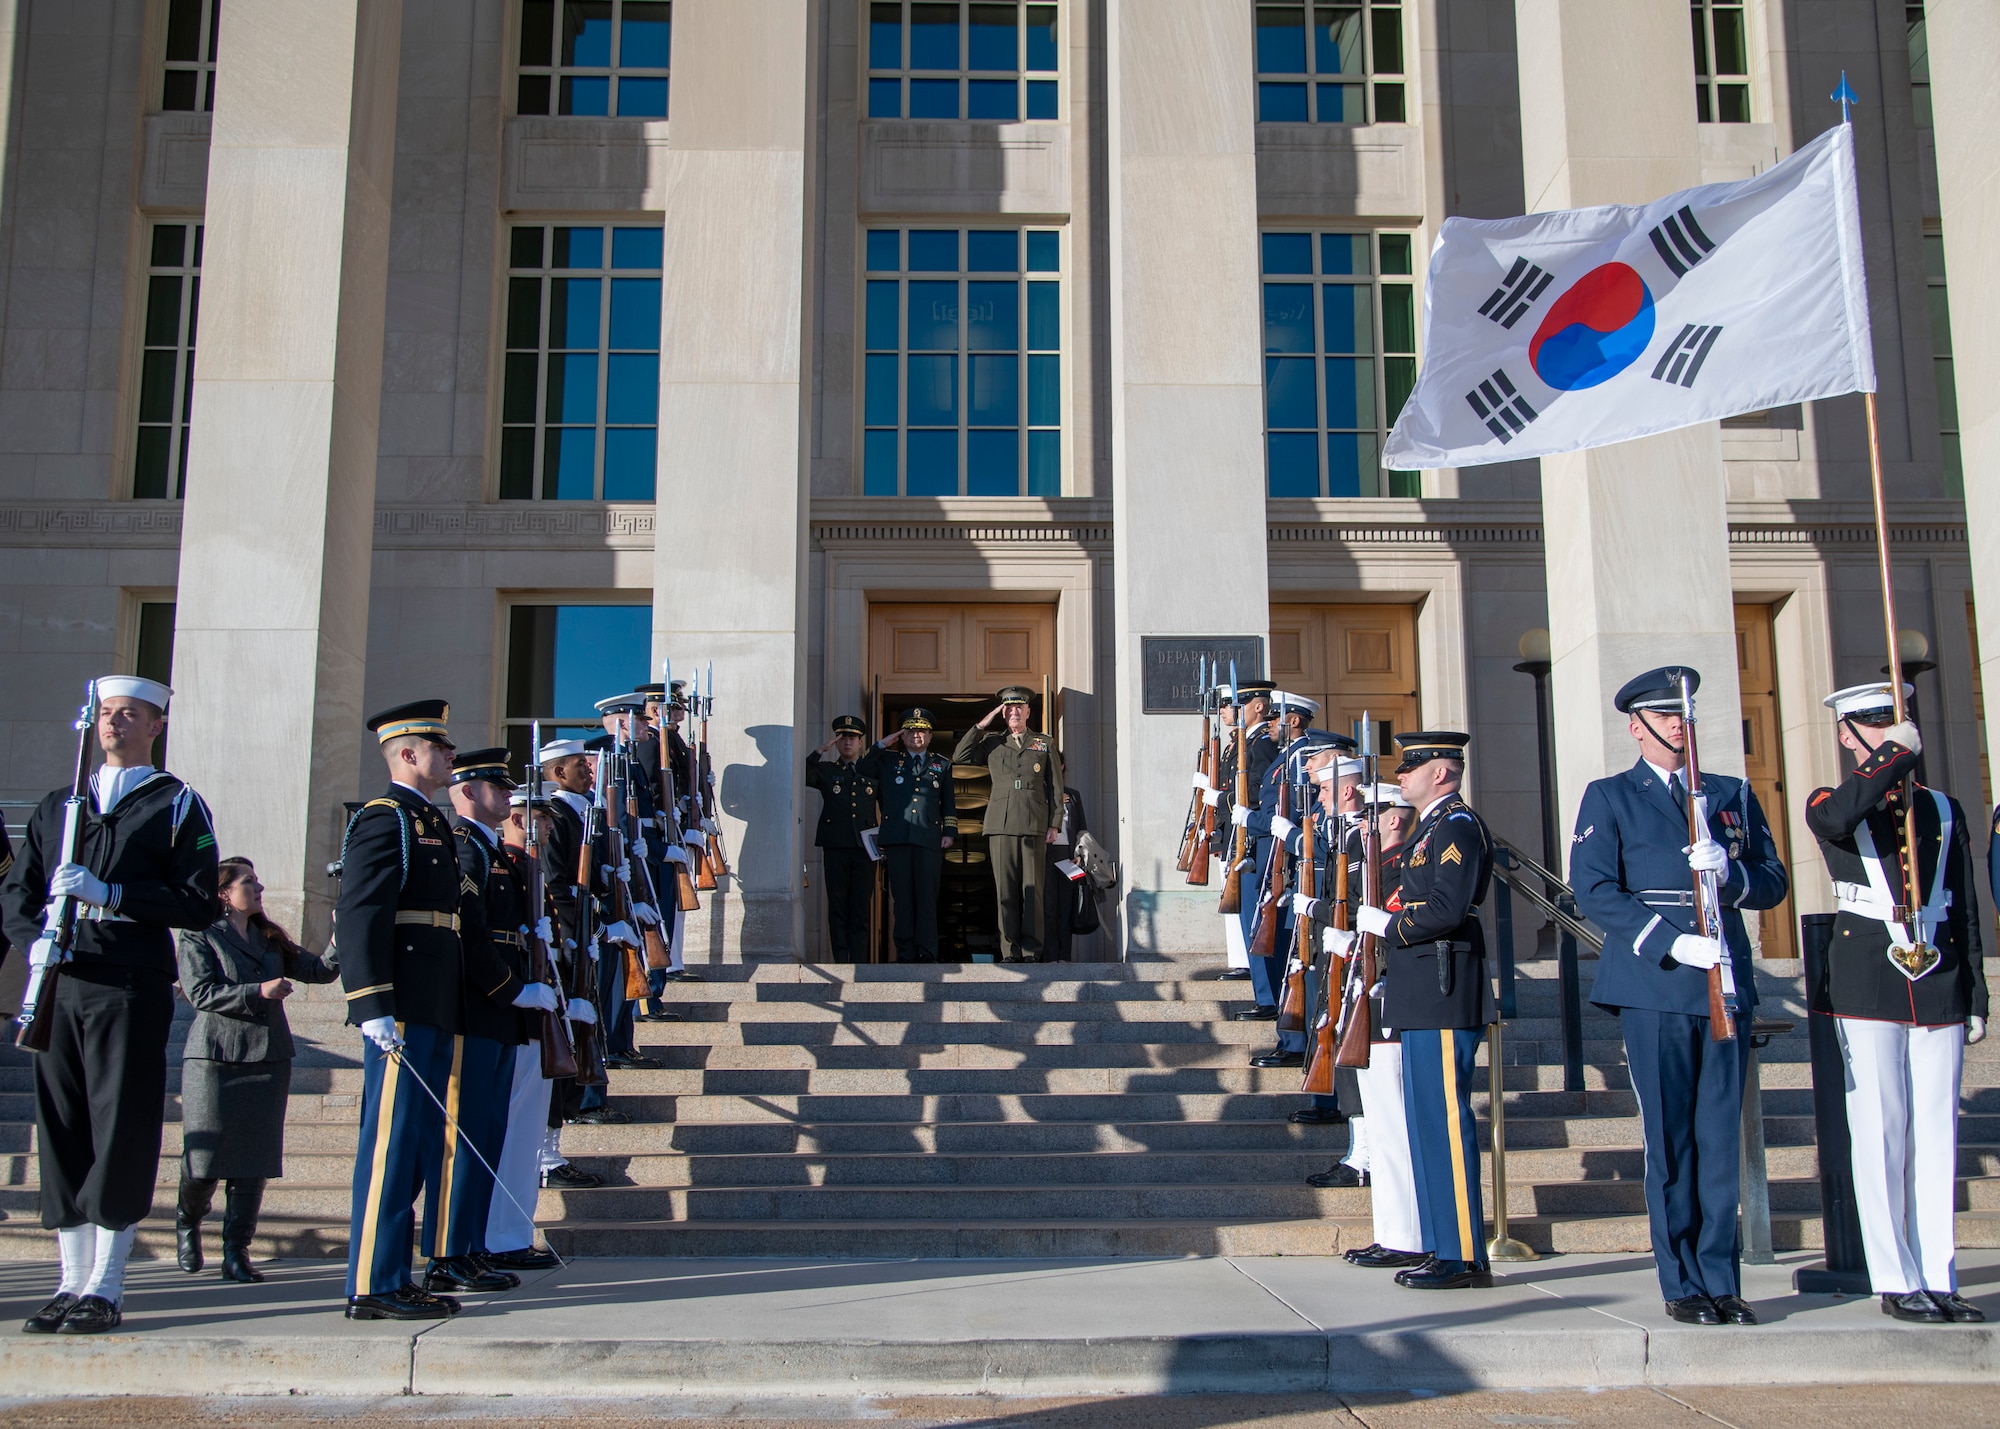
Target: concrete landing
pixel 1267 1324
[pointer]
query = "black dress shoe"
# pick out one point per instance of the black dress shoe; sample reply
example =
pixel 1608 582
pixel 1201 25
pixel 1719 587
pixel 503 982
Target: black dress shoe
pixel 684 975
pixel 641 1062
pixel 1233 975
pixel 463 1273
pixel 91 1315
pixel 1279 1059
pixel 1694 1310
pixel 567 1178
pixel 1319 1116
pixel 1916 1307
pixel 1956 1308
pixel 408 1303
pixel 1380 1257
pixel 1735 1310
pixel 1340 1177
pixel 1254 1014
pixel 661 1016
pixel 600 1116
pixel 1448 1275
pixel 531 1258
pixel 48 1319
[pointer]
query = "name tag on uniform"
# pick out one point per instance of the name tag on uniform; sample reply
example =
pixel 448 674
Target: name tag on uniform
pixel 435 843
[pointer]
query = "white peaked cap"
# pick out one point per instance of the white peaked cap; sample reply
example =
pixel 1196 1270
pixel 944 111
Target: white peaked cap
pixel 1875 695
pixel 133 687
pixel 1388 795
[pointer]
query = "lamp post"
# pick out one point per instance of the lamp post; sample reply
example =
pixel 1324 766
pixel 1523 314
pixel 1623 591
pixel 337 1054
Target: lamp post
pixel 1534 648
pixel 1913 650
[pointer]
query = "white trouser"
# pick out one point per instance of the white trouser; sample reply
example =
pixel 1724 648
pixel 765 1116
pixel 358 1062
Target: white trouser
pixel 1392 1180
pixel 1902 1117
pixel 1232 937
pixel 675 944
pixel 1357 1141
pixel 520 1165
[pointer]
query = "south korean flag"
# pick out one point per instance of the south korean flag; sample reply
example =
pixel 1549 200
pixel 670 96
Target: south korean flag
pixel 1555 332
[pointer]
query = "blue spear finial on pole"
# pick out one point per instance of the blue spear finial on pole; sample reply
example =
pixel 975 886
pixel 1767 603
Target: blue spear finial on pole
pixel 1846 97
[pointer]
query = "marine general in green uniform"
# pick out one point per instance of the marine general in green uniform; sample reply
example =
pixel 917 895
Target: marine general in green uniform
pixel 1024 817
pixel 847 806
pixel 919 822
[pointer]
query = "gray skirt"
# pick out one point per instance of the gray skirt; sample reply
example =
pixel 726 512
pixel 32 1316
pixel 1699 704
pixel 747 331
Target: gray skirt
pixel 233 1118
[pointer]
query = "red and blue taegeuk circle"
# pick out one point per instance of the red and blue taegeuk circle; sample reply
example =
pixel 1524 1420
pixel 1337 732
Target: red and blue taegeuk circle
pixel 1595 330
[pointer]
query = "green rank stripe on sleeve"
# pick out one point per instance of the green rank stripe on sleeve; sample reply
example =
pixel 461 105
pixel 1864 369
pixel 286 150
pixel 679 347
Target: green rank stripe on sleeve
pixel 205 841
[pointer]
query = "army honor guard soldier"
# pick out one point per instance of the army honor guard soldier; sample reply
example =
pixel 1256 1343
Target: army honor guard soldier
pixel 1634 871
pixel 1907 990
pixel 396 925
pixel 144 865
pixel 919 822
pixel 1024 817
pixel 847 806
pixel 1436 990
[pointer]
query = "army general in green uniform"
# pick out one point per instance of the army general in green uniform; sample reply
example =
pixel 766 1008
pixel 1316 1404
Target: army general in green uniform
pixel 1023 819
pixel 847 806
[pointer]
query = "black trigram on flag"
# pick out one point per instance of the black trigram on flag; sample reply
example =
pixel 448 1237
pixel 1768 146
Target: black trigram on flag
pixel 1680 242
pixel 1516 294
pixel 1682 360
pixel 1505 411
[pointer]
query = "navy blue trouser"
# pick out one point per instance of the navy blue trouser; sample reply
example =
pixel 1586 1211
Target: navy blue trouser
pixel 402 1136
pixel 1444 1140
pixel 458 1193
pixel 1690 1091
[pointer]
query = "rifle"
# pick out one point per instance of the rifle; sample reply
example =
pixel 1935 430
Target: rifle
pixel 1707 900
pixel 613 775
pixel 1232 882
pixel 590 1036
pixel 558 1051
pixel 1357 1030
pixel 1203 777
pixel 1211 797
pixel 716 862
pixel 656 945
pixel 1292 1011
pixel 35 1022
pixel 1277 874
pixel 1323 1059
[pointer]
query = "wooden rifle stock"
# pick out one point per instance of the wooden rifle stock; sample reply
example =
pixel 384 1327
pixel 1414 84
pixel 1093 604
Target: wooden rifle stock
pixel 1324 1055
pixel 1191 825
pixel 1204 829
pixel 1292 1010
pixel 1358 1030
pixel 1232 879
pixel 1721 1023
pixel 558 1049
pixel 1264 932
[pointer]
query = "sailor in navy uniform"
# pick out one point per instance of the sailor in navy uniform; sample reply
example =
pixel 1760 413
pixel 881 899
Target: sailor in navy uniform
pixel 1276 723
pixel 396 926
pixel 1634 870
pixel 1433 957
pixel 1906 995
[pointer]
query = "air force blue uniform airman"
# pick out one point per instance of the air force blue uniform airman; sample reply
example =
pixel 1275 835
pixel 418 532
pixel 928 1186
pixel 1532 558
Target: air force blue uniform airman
pixel 1633 869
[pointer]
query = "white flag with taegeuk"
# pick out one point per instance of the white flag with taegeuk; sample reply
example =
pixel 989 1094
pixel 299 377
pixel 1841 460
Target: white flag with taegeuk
pixel 1559 331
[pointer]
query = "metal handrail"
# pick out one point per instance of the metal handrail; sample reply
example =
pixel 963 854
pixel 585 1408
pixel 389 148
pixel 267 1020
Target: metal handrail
pixel 1523 879
pixel 1514 872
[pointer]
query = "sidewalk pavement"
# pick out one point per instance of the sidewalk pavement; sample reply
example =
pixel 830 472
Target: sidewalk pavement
pixel 1011 1327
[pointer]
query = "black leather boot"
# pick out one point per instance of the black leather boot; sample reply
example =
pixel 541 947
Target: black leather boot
pixel 239 1222
pixel 196 1196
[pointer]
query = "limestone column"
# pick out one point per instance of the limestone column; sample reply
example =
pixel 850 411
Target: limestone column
pixel 271 631
pixel 1964 38
pixel 1187 465
pixel 730 555
pixel 1637 535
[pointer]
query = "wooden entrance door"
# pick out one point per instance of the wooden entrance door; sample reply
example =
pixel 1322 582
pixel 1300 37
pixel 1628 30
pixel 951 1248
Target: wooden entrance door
pixel 1764 759
pixel 1352 659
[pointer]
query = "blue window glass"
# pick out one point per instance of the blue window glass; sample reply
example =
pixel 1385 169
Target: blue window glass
pixel 1041 29
pixel 881 390
pixel 1293 463
pixel 990 61
pixel 1044 251
pixel 1281 103
pixel 934 36
pixel 987 252
pixel 642 98
pixel 885 99
pixel 1337 45
pixel 587 95
pixel 933 323
pixel 878 464
pixel 993 389
pixel 569 464
pixel 933 250
pixel 933 99
pixel 594 57
pixel 885 250
pixel 635 247
pixel 1044 464
pixel 1338 253
pixel 1352 42
pixel 993 463
pixel 586 33
pixel 1350 393
pixel 1042 99
pixel 561 658
pixel 1281 39
pixel 993 317
pixel 1342 103
pixel 931 464
pixel 631 456
pixel 578 248
pixel 632 388
pixel 933 390
pixel 572 387
pixel 993 41
pixel 1350 317
pixel 1044 390
pixel 1288 393
pixel 883 312
pixel 885 36
pixel 645 34
pixel 1288 253
pixel 1288 317
pixel 1352 464
pixel 1044 316
pixel 635 313
pixel 573 312
pixel 996 100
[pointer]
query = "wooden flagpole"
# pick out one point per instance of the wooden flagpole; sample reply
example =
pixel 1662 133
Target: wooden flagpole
pixel 1912 888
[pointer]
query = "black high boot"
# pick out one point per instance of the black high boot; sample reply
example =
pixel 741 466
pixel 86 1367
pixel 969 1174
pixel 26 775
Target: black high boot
pixel 239 1223
pixel 196 1196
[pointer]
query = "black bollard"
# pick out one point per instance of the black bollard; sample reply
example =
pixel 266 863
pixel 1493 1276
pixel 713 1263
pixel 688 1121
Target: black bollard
pixel 1845 1270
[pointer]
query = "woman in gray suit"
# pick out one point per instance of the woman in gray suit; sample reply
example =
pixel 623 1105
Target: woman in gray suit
pixel 237 1075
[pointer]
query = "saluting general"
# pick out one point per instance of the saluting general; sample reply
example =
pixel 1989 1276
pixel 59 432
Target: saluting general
pixel 846 807
pixel 1634 871
pixel 919 822
pixel 1023 818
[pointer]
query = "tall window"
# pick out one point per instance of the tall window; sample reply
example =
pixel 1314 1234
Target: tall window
pixel 1340 344
pixel 154 657
pixel 962 384
pixel 595 57
pixel 1947 381
pixel 189 79
pixel 1721 62
pixel 1919 39
pixel 166 370
pixel 959 60
pixel 580 400
pixel 1330 64
pixel 563 659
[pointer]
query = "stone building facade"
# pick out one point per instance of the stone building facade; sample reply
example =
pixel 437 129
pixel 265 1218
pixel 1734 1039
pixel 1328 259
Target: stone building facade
pixel 877 352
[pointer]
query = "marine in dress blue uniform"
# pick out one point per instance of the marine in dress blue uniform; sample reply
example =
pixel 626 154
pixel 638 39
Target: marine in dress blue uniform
pixel 396 925
pixel 1633 870
pixel 1432 956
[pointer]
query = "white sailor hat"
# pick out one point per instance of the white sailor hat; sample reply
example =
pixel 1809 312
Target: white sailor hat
pixel 1864 702
pixel 1285 702
pixel 134 687
pixel 1387 796
pixel 560 749
pixel 1342 768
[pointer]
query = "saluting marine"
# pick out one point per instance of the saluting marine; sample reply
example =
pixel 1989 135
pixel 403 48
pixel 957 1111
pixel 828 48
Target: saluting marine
pixel 396 926
pixel 847 806
pixel 1907 990
pixel 1634 871
pixel 1023 819
pixel 919 821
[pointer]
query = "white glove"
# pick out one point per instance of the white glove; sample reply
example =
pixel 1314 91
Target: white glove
pixel 76 881
pixel 647 915
pixel 621 932
pixel 624 873
pixel 1282 827
pixel 580 1010
pixel 694 840
pixel 1338 941
pixel 1202 781
pixel 1239 814
pixel 382 1032
pixel 1213 798
pixel 711 828
pixel 1694 952
pixel 1708 856
pixel 1302 906
pixel 1975 1028
pixel 1906 735
pixel 545 930
pixel 537 995
pixel 674 854
pixel 43 951
pixel 639 846
pixel 1375 921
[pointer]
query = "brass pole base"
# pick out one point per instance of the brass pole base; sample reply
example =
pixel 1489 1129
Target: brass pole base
pixel 1507 1248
